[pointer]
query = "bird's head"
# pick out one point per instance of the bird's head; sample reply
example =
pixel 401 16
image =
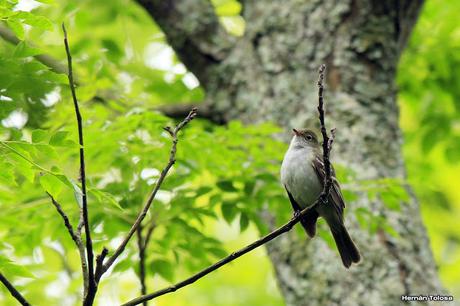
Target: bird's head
pixel 304 138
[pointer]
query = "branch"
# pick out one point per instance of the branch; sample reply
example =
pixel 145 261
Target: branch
pixel 143 212
pixel 15 293
pixel 327 142
pixel 75 235
pixel 198 38
pixel 279 231
pixel 89 244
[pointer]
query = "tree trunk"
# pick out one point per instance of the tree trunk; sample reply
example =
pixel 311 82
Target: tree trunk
pixel 270 75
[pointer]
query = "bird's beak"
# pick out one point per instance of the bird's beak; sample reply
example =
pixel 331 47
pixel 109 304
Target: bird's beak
pixel 296 133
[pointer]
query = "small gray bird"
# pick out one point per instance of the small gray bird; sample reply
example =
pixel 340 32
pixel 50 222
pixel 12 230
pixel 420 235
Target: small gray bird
pixel 302 174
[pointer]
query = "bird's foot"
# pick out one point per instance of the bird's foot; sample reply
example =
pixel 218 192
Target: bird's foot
pixel 296 214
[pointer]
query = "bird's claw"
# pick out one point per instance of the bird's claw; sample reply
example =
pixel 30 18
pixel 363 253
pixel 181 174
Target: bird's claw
pixel 296 214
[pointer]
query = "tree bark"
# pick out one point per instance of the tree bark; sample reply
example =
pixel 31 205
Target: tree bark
pixel 270 75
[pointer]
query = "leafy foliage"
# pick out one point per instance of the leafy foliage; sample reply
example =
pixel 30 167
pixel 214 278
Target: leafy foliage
pixel 222 173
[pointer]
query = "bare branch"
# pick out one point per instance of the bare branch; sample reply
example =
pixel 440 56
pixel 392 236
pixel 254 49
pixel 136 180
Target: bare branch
pixel 143 212
pixel 14 292
pixel 67 223
pixel 92 287
pixel 77 239
pixel 327 145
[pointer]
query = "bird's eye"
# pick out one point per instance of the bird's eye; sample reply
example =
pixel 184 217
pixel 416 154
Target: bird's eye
pixel 309 137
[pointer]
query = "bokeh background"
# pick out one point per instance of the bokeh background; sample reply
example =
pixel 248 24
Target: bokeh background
pixel 126 72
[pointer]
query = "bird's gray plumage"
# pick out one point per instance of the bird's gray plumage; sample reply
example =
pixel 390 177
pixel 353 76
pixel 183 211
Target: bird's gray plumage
pixel 302 174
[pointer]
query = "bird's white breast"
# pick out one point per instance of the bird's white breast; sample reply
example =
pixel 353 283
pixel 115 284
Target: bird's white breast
pixel 299 177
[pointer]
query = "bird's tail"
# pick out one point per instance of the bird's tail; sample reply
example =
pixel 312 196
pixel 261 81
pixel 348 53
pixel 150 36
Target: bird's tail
pixel 347 248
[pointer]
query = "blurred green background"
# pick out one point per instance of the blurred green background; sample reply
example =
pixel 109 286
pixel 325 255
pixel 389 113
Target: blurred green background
pixel 125 71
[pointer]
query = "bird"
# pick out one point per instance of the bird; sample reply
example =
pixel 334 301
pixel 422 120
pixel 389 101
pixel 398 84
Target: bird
pixel 302 174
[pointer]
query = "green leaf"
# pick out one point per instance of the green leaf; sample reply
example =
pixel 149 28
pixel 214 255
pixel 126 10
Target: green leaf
pixel 217 252
pixel 23 166
pixel 11 268
pixel 23 50
pixel 59 139
pixel 244 222
pixel 164 268
pixel 77 193
pixel 202 190
pixel 51 184
pixel 226 185
pixel 39 135
pixel 249 187
pixel 104 197
pixel 229 211
pixel 391 201
pixel 40 22
pixel 7 174
pixel 16 26
pixel 453 150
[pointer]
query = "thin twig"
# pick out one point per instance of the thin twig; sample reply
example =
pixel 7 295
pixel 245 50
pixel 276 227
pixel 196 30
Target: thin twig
pixel 14 292
pixel 172 159
pixel 92 287
pixel 327 142
pixel 327 146
pixel 65 219
pixel 77 239
pixel 100 260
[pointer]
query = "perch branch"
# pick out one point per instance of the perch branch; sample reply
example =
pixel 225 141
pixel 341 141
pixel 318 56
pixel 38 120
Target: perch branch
pixel 279 231
pixel 89 244
pixel 327 142
pixel 172 159
pixel 14 292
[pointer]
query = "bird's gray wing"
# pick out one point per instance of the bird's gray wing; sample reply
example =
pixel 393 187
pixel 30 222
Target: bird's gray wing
pixel 335 194
pixel 309 220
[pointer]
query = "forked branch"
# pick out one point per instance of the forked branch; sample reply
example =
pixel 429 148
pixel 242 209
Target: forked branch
pixel 172 159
